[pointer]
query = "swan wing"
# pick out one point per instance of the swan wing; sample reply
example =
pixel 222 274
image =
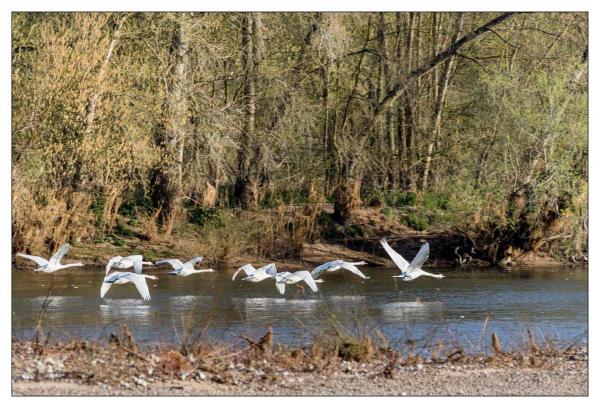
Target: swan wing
pixel 111 262
pixel 306 277
pixel 108 281
pixel 248 269
pixel 60 253
pixel 271 270
pixel 420 258
pixel 105 287
pixel 320 269
pixel 137 263
pixel 280 287
pixel 353 269
pixel 282 276
pixel 37 259
pixel 396 257
pixel 193 261
pixel 175 263
pixel 140 283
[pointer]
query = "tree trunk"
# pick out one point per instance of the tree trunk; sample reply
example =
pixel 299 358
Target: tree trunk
pixel 168 182
pixel 93 101
pixel 452 50
pixel 439 105
pixel 246 188
pixel 346 199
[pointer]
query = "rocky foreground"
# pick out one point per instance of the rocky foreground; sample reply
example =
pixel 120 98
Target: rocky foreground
pixel 82 368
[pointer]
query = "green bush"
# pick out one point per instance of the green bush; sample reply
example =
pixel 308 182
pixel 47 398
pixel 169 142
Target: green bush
pixel 204 216
pixel 436 200
pixel 417 221
pixel 354 231
pixel 408 198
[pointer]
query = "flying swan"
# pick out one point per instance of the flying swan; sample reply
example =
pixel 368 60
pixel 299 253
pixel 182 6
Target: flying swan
pixel 53 264
pixel 413 270
pixel 334 266
pixel 257 275
pixel 183 269
pixel 289 278
pixel 120 278
pixel 120 262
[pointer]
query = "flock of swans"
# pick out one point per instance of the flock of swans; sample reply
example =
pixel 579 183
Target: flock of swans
pixel 409 271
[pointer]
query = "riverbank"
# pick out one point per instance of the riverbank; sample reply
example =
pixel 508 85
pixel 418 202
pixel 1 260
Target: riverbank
pixel 119 368
pixel 294 240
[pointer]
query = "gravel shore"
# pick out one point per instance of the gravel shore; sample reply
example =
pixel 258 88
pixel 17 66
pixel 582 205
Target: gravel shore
pixel 86 370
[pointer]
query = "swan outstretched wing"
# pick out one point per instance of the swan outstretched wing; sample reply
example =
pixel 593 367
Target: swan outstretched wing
pixel 175 263
pixel 420 258
pixel 108 281
pixel 349 266
pixel 105 287
pixel 270 270
pixel 306 277
pixel 320 269
pixel 111 262
pixel 248 269
pixel 137 263
pixel 140 283
pixel 193 261
pixel 282 276
pixel 396 257
pixel 37 259
pixel 60 253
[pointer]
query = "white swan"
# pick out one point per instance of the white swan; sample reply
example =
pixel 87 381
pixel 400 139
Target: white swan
pixel 53 264
pixel 289 278
pixel 120 278
pixel 183 269
pixel 335 265
pixel 257 275
pixel 413 270
pixel 120 262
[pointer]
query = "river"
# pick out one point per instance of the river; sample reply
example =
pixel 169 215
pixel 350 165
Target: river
pixel 465 307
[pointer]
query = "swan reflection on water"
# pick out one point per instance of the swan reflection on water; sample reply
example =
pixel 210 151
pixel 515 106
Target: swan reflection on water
pixel 187 301
pixel 417 308
pixel 55 301
pixel 272 304
pixel 124 308
pixel 347 299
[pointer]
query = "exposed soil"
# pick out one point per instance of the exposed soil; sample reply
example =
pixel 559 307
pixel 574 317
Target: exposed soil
pixel 82 368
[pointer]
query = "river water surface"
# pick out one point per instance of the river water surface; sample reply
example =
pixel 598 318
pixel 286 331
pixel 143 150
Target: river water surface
pixel 464 307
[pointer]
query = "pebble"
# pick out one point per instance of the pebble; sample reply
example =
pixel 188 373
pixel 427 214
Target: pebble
pixel 140 382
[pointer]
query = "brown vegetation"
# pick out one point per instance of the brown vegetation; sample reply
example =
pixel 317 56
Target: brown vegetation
pixel 165 122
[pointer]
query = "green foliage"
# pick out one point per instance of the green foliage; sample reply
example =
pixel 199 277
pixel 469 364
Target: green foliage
pixel 401 199
pixel 354 231
pixel 204 216
pixel 417 220
pixel 436 201
pixel 150 254
pixel 387 212
pixel 97 209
